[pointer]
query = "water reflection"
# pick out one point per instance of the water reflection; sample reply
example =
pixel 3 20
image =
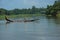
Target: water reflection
pixel 8 22
pixel 57 20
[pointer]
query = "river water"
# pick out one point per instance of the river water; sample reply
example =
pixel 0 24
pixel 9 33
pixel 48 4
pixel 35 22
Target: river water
pixel 47 28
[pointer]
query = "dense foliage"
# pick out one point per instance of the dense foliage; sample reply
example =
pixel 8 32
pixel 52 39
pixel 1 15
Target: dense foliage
pixel 32 10
pixel 53 9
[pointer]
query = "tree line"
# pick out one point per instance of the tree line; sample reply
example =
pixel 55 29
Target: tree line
pixel 32 10
pixel 50 10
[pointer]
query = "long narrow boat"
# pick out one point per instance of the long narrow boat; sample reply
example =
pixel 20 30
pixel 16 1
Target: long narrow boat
pixel 8 20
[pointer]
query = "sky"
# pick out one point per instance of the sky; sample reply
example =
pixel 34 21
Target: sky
pixel 12 4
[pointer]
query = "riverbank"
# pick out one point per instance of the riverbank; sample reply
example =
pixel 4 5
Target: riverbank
pixel 20 15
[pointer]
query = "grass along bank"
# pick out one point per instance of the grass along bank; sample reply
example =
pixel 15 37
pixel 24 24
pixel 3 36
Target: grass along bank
pixel 20 15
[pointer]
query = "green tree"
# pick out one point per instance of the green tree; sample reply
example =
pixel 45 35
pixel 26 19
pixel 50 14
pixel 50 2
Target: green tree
pixel 3 11
pixel 52 10
pixel 33 9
